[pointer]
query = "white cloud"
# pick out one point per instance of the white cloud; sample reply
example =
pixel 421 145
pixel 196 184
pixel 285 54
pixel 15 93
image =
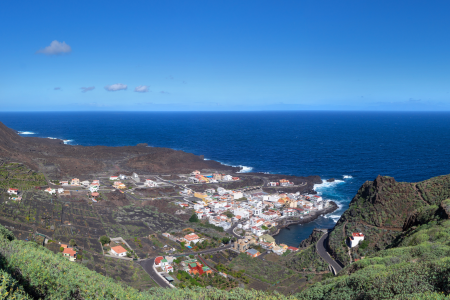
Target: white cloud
pixel 55 48
pixel 116 87
pixel 141 89
pixel 87 89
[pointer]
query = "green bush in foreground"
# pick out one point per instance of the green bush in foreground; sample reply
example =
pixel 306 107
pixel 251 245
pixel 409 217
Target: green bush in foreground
pixel 30 271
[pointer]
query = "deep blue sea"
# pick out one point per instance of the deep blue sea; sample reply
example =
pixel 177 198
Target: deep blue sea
pixel 350 146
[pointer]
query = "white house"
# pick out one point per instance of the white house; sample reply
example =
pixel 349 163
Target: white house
pixel 150 183
pixel 227 178
pixel 122 177
pixel 85 183
pixel 269 215
pixel 271 198
pixel 192 237
pixel 64 183
pixel 237 195
pixel 257 211
pixel 193 180
pixel 257 231
pixel 356 238
pixel 241 212
pixel 13 191
pixel 50 191
pixel 93 188
pixel 114 178
pixel 118 251
pixel 60 190
pixel 198 206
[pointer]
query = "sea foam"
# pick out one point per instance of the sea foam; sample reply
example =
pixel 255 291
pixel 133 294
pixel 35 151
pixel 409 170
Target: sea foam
pixel 325 184
pixel 244 169
pixel 347 176
pixel 26 132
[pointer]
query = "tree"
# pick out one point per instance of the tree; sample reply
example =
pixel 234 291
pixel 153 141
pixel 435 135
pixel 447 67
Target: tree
pixel 128 254
pixel 72 242
pixel 193 218
pixel 104 239
pixel 61 249
pixel 225 240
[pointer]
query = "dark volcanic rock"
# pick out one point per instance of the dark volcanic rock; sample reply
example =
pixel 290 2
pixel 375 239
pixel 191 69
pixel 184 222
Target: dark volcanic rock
pixel 315 235
pixel 59 160
pixel 331 180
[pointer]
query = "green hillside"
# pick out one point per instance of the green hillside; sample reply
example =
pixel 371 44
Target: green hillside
pixel 30 271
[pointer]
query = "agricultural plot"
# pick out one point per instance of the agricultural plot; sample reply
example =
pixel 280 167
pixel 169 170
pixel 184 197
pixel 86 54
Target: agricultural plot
pixel 262 270
pixel 128 272
pixel 147 217
pixel 290 285
pixel 15 175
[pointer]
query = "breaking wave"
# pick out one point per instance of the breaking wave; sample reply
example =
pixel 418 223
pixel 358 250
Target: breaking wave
pixel 347 176
pixel 335 218
pixel 67 141
pixel 26 132
pixel 244 169
pixel 324 185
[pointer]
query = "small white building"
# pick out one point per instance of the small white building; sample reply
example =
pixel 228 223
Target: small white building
pixel 60 190
pixel 93 188
pixel 50 191
pixel 237 195
pixel 122 177
pixel 114 178
pixel 85 183
pixel 13 191
pixel 64 183
pixel 257 231
pixel 227 178
pixel 150 183
pixel 118 251
pixel 356 238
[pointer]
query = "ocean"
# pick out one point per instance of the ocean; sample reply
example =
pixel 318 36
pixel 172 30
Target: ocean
pixel 351 147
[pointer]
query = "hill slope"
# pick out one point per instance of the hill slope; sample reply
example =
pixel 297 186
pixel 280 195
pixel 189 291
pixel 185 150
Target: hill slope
pixel 382 210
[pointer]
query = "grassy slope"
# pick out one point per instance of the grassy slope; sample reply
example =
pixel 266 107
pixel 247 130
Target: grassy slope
pixel 417 268
pixel 380 210
pixel 31 271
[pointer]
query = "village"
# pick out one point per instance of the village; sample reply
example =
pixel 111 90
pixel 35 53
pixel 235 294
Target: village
pixel 247 216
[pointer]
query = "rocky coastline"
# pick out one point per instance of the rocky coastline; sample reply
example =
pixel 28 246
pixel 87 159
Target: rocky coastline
pixel 310 218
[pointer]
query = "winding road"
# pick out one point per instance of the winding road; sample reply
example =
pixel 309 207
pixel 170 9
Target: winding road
pixel 147 264
pixel 321 248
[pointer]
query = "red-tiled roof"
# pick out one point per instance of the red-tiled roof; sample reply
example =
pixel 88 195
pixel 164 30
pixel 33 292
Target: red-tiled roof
pixel 119 249
pixel 69 251
pixel 158 260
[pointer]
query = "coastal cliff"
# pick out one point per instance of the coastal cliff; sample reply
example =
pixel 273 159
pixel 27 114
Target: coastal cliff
pixel 384 208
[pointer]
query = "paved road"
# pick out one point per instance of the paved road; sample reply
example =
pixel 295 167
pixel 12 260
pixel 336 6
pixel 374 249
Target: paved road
pixel 321 249
pixel 147 265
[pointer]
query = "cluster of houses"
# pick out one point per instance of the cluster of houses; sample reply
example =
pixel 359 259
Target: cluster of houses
pixel 93 187
pixel 266 241
pixel 197 177
pixel 253 209
pixel 281 182
pixel 190 265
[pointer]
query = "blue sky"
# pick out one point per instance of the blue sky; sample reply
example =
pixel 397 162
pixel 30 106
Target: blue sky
pixel 225 55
